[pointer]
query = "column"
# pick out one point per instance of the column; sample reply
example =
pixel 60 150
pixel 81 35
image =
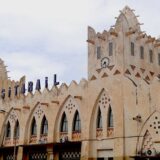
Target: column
pixel 20 153
pixel 50 155
pixel 85 150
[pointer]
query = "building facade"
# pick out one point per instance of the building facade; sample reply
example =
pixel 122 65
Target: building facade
pixel 114 114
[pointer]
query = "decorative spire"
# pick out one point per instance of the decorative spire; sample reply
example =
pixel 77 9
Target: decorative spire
pixel 127 20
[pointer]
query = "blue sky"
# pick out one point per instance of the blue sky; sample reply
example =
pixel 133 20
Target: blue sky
pixel 41 37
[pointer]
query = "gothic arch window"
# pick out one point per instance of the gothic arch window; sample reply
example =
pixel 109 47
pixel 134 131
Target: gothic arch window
pixel 34 127
pixel 8 130
pixel 132 49
pixel 16 130
pixel 151 56
pixel 110 117
pixel 110 48
pixel 64 123
pixel 141 52
pixel 99 119
pixel 76 123
pixel 98 50
pixel 44 126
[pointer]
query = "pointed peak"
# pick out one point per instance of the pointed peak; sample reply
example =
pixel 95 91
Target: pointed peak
pixel 127 8
pixel 73 84
pixel 83 82
pixel 129 19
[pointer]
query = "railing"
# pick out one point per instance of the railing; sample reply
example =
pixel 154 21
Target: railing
pixel 33 139
pixel 7 141
pixel 76 136
pixel 16 140
pixel 110 132
pixel 99 132
pixel 63 136
pixel 43 138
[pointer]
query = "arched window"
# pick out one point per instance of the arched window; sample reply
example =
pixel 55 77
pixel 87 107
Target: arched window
pixel 132 49
pixel 77 122
pixel 33 127
pixel 141 52
pixel 99 119
pixel 16 130
pixel 44 126
pixel 64 123
pixel 8 130
pixel 110 117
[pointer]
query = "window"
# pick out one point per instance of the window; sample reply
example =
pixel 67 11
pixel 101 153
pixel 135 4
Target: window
pixel 98 52
pixel 44 126
pixel 8 130
pixel 159 58
pixel 34 127
pixel 141 52
pixel 76 122
pixel 110 49
pixel 64 124
pixel 151 56
pixel 99 119
pixel 16 130
pixel 132 48
pixel 110 117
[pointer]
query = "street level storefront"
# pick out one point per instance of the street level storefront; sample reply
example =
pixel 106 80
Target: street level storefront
pixel 62 151
pixel 8 152
pixel 68 150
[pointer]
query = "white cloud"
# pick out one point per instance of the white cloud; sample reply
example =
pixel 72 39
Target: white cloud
pixel 39 38
pixel 34 65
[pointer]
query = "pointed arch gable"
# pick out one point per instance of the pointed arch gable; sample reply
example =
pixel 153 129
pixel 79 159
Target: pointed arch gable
pixel 60 112
pixel 148 147
pixel 29 123
pixel 149 126
pixel 3 129
pixel 8 128
pixel 69 106
pixel 32 115
pixel 96 101
pixel 102 101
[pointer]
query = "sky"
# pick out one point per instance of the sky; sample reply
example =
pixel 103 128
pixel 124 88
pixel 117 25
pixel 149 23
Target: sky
pixel 40 38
